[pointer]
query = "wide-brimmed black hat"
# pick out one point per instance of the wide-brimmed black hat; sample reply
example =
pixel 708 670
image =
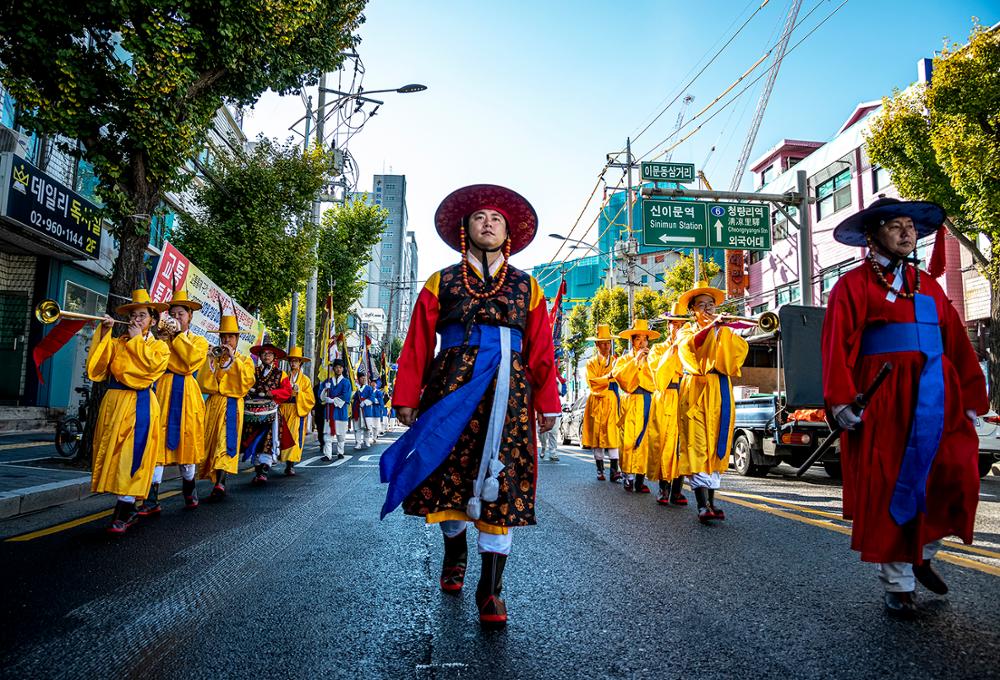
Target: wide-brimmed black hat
pixel 927 218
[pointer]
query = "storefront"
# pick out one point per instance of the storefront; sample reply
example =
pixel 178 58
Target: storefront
pixel 52 245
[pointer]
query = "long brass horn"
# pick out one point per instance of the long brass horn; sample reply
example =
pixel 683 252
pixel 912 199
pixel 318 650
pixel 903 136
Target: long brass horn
pixel 768 322
pixel 48 311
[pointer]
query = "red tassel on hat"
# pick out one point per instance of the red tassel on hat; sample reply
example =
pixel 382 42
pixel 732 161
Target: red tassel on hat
pixel 938 257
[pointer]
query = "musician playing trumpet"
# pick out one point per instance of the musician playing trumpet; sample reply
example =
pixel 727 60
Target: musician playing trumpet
pixel 182 409
pixel 711 354
pixel 226 378
pixel 126 438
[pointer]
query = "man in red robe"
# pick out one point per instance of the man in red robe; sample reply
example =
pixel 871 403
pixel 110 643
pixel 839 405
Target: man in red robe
pixel 470 453
pixel 909 460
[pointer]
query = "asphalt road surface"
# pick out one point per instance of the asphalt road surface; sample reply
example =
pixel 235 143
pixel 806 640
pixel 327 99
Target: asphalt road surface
pixel 301 580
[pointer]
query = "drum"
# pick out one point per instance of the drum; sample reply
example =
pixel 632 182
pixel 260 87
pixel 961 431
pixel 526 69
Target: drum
pixel 258 410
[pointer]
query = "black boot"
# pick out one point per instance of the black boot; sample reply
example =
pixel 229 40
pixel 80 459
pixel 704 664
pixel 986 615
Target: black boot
pixel 663 497
pixel 456 559
pixel 190 494
pixel 151 504
pixel 716 513
pixel 600 470
pixel 123 517
pixel 640 484
pixel 492 610
pixel 616 475
pixel 929 578
pixel 704 512
pixel 676 497
pixel 219 490
pixel 290 468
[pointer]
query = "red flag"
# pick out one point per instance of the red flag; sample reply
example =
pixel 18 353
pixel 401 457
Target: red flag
pixel 557 303
pixel 54 341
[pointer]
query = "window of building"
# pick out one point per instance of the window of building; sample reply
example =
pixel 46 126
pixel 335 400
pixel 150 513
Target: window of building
pixel 659 277
pixel 389 221
pixel 779 223
pixel 759 309
pixel 830 276
pixel 792 161
pixel 659 259
pixel 645 279
pixel 786 294
pixel 77 298
pixel 390 186
pixel 834 194
pixel 880 178
pixel 390 197
pixel 757 255
pixel 767 174
pixel 643 259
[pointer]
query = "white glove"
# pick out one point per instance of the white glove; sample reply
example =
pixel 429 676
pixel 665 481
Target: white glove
pixel 367 402
pixel 972 414
pixel 327 400
pixel 846 417
pixel 338 402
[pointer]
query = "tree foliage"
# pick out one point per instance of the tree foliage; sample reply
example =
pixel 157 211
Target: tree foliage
pixel 137 83
pixel 610 306
pixel 680 278
pixel 244 237
pixel 941 143
pixel 345 246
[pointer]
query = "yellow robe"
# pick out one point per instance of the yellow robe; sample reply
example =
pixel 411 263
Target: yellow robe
pixel 187 354
pixel 295 412
pixel 220 384
pixel 136 363
pixel 662 462
pixel 634 375
pixel 600 416
pixel 707 391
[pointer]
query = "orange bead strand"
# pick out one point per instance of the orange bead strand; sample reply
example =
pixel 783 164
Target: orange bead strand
pixel 465 271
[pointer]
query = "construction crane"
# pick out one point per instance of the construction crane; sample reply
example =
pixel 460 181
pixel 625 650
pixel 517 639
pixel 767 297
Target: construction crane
pixel 680 121
pixel 758 116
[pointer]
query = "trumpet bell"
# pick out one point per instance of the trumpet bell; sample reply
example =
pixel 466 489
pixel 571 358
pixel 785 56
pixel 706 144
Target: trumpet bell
pixel 768 322
pixel 47 311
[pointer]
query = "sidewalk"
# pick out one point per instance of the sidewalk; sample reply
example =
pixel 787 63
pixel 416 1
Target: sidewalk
pixel 33 476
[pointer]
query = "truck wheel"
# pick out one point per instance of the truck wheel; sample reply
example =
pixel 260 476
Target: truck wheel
pixel 742 461
pixel 833 469
pixel 985 464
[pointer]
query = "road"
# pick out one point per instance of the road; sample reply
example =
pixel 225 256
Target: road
pixel 301 580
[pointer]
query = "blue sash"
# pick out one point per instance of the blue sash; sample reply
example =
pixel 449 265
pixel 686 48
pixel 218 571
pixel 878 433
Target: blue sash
pixel 232 414
pixel 141 434
pixel 175 413
pixel 910 495
pixel 725 412
pixel 427 444
pixel 302 430
pixel 647 399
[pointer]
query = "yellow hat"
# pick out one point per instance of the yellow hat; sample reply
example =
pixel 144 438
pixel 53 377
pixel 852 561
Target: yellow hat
pixel 296 353
pixel 702 288
pixel 228 324
pixel 180 299
pixel 639 327
pixel 140 299
pixel 603 333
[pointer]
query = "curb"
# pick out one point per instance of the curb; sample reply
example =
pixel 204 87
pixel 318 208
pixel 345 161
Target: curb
pixel 34 498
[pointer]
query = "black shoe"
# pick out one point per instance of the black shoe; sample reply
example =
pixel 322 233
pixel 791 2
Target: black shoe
pixel 456 557
pixel 628 484
pixel 929 578
pixel 150 505
pixel 900 605
pixel 188 488
pixel 492 610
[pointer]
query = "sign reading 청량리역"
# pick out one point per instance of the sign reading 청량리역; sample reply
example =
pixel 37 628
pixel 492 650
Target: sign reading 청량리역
pixel 739 226
pixel 41 204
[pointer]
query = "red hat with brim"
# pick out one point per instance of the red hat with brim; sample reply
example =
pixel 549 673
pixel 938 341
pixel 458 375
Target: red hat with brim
pixel 258 350
pixel 522 221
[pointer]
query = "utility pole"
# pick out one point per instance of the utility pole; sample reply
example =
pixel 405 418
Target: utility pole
pixel 293 331
pixel 631 249
pixel 313 283
pixel 805 240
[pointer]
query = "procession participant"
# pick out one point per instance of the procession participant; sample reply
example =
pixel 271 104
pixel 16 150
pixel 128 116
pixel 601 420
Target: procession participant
pixel 634 375
pixel 296 409
pixel 470 454
pixel 376 419
pixel 600 416
pixel 266 434
pixel 386 401
pixel 226 378
pixel 663 461
pixel 127 434
pixel 710 354
pixel 335 395
pixel 910 460
pixel 361 413
pixel 182 408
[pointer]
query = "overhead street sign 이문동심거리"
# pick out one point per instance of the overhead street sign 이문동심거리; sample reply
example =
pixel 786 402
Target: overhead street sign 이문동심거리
pixel 666 172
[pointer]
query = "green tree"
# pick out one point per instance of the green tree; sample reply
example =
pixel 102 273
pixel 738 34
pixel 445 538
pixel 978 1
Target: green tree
pixel 137 83
pixel 941 143
pixel 395 349
pixel 680 278
pixel 610 306
pixel 244 238
pixel 345 246
pixel 575 342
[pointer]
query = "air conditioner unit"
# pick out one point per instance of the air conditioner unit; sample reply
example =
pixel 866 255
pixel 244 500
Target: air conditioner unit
pixel 13 141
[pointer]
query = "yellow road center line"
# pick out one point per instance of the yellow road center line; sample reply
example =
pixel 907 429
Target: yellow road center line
pixel 24 445
pixel 72 523
pixel 788 515
pixel 966 562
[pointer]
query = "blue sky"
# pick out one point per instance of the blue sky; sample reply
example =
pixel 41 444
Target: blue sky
pixel 532 95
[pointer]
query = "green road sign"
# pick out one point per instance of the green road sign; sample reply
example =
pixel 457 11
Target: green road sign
pixel 674 223
pixel 739 226
pixel 667 172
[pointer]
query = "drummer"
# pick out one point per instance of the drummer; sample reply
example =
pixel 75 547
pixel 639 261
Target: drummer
pixel 296 410
pixel 263 431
